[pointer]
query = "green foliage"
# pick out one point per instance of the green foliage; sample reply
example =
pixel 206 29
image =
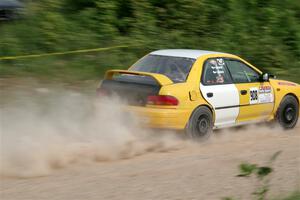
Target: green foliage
pixel 247 169
pixel 263 171
pixel 267 33
pixel 227 198
pixel 262 174
pixel 295 196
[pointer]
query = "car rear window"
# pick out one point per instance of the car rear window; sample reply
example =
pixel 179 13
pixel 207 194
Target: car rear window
pixel 176 68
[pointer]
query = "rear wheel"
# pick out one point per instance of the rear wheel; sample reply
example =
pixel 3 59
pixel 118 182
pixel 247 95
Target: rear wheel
pixel 288 112
pixel 200 124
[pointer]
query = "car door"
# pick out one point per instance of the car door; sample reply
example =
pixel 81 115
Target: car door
pixel 219 91
pixel 256 97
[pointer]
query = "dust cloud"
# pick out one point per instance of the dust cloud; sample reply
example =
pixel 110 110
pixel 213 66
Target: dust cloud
pixel 45 129
pixel 49 129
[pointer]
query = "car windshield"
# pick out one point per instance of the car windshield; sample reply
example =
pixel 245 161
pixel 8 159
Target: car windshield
pixel 176 68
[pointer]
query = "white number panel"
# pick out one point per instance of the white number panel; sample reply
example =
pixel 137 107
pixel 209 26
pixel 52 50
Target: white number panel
pixel 254 95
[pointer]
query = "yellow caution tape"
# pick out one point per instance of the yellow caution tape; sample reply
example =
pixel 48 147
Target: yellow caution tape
pixel 61 53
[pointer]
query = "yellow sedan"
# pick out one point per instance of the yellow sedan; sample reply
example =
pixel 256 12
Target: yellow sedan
pixel 198 91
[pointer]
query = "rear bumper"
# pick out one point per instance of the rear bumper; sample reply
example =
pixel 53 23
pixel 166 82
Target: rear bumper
pixel 161 118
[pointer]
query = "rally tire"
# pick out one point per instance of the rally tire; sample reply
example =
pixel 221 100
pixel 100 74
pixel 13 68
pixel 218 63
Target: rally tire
pixel 288 112
pixel 200 124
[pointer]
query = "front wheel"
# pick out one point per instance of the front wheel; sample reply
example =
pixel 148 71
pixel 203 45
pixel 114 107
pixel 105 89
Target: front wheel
pixel 288 112
pixel 200 124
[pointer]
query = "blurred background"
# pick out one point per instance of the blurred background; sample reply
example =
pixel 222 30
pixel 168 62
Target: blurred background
pixel 47 124
pixel 264 32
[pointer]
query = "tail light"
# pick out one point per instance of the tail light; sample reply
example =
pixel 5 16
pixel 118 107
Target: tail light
pixel 164 100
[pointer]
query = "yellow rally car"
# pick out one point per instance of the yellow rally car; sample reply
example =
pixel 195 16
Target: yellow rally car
pixel 199 91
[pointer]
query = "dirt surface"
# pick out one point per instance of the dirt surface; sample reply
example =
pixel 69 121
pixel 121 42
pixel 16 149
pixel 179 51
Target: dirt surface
pixel 53 156
pixel 194 171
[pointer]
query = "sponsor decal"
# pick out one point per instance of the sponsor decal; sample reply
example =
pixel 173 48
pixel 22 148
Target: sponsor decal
pixel 287 83
pixel 217 66
pixel 265 89
pixel 220 62
pixel 263 94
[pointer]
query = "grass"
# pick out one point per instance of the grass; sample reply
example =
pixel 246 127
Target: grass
pixel 68 68
pixel 294 196
pixel 92 66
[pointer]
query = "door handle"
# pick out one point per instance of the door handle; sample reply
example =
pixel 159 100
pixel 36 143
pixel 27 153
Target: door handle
pixel 244 92
pixel 210 94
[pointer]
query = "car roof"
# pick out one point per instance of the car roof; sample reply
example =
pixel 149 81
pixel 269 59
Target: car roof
pixel 185 53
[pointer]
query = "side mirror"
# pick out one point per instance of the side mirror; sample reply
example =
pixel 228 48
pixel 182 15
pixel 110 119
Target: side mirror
pixel 265 77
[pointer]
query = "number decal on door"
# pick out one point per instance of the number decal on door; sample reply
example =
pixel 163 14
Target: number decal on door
pixel 253 95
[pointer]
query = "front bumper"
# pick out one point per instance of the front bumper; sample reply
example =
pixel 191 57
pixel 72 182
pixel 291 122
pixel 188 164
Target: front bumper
pixel 162 118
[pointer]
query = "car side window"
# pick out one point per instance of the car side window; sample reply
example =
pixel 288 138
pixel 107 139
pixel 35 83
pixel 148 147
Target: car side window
pixel 215 72
pixel 241 73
